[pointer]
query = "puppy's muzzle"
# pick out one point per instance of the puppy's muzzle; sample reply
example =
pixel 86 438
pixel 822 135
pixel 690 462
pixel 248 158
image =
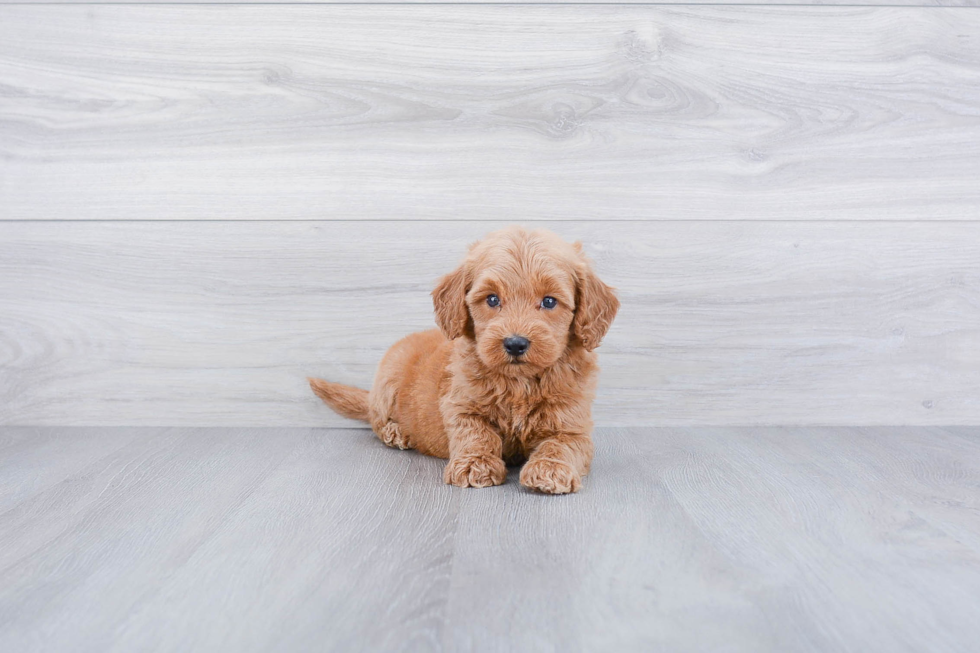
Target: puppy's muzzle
pixel 516 345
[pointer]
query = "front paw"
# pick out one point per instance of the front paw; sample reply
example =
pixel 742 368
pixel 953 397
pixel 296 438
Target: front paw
pixel 475 471
pixel 550 476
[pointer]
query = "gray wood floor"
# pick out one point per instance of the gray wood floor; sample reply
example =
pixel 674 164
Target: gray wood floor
pixel 751 539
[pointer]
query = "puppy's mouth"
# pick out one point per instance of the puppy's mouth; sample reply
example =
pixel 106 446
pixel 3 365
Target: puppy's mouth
pixel 517 361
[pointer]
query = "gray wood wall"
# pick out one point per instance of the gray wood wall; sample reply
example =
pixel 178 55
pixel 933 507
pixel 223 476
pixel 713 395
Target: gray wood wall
pixel 202 204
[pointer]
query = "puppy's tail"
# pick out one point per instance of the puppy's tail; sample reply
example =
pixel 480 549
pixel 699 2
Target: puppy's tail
pixel 345 399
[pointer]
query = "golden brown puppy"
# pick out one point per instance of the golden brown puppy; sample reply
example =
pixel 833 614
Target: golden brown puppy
pixel 510 376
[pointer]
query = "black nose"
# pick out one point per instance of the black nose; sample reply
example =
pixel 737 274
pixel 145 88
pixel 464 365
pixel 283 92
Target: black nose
pixel 516 345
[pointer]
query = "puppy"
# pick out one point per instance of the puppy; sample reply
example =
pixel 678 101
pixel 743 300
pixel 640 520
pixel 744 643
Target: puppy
pixel 509 376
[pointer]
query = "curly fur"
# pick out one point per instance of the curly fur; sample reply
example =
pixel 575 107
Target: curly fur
pixel 456 393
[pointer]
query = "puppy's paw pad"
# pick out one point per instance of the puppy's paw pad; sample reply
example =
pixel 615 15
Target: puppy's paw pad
pixel 550 477
pixel 392 436
pixel 475 471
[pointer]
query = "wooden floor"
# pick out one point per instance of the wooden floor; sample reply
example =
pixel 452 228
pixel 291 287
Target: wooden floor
pixel 751 539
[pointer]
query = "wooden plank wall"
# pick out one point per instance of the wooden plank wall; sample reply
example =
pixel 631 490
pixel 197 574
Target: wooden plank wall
pixel 202 204
pixel 489 112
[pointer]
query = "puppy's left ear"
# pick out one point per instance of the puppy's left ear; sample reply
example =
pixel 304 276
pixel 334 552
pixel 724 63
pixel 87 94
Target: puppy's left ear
pixel 449 300
pixel 596 306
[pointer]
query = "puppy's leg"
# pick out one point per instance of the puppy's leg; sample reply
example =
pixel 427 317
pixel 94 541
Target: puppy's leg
pixel 558 463
pixel 381 408
pixel 474 454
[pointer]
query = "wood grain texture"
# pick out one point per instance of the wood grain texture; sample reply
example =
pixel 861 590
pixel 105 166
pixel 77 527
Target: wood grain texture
pixel 482 112
pixel 733 539
pixel 31 461
pixel 218 324
pixel 751 539
pixel 104 560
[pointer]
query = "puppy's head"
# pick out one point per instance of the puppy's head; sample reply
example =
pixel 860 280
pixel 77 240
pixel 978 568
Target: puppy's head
pixel 525 297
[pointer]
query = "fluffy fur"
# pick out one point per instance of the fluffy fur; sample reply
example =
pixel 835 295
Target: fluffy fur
pixel 456 393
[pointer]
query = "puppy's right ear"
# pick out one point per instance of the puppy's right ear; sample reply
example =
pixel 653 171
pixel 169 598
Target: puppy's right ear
pixel 596 307
pixel 449 300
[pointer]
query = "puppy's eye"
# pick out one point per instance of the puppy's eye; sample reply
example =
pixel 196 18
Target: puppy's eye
pixel 549 302
pixel 493 301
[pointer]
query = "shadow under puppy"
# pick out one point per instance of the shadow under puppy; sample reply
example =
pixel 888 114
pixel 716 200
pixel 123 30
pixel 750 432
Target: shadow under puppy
pixel 510 374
